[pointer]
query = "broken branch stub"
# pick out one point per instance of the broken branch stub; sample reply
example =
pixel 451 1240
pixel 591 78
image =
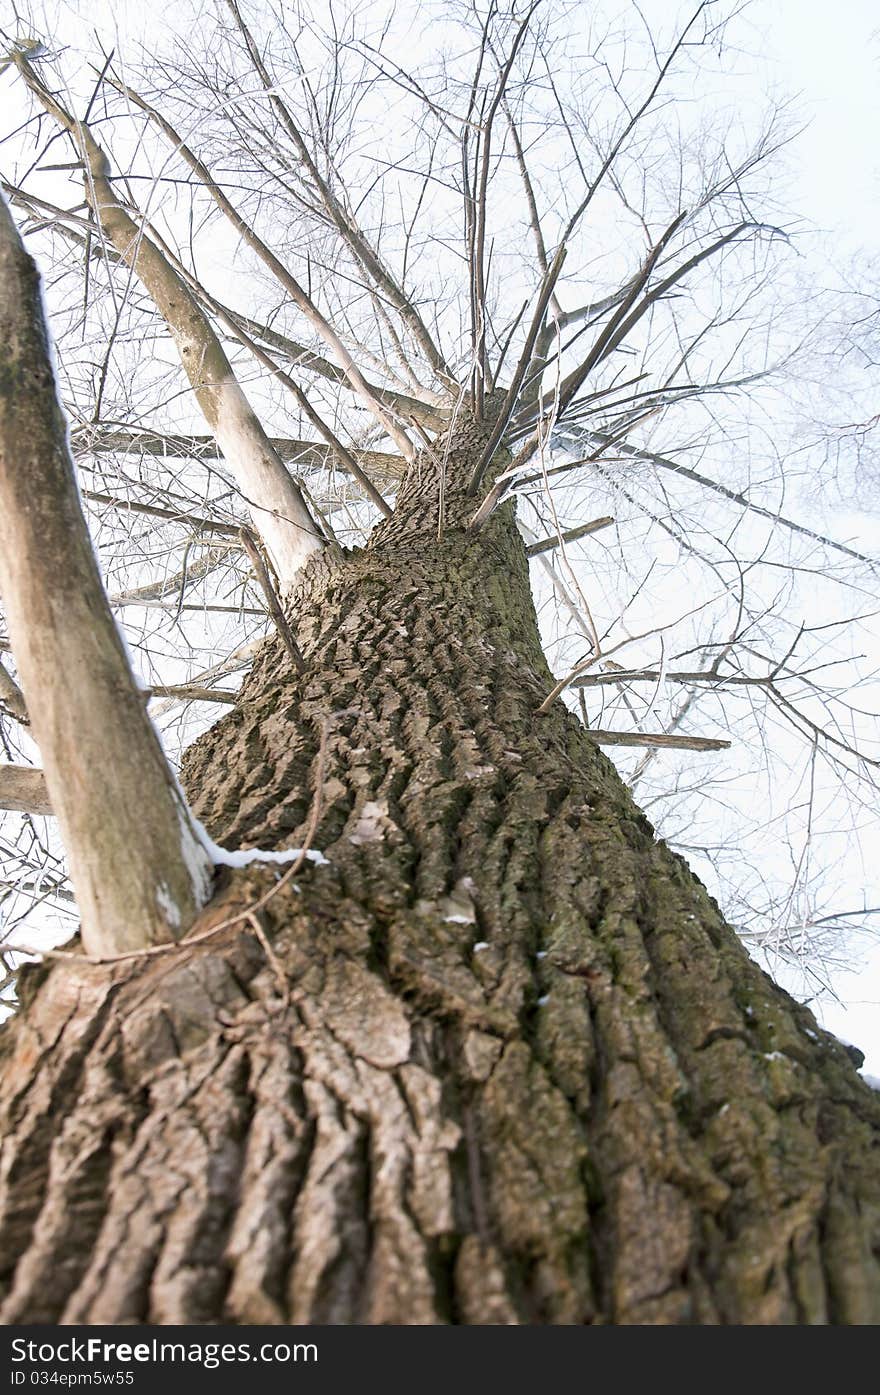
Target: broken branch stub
pixel 137 863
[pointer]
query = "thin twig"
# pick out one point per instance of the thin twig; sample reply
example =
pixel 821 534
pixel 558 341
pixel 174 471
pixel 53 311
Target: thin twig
pixel 280 976
pixel 251 547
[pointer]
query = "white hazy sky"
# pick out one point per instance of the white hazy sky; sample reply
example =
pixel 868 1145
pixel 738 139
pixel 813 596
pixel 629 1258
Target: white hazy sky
pixel 830 55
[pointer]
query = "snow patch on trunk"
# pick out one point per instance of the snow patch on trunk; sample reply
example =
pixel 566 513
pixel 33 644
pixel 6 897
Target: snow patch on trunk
pixel 196 856
pixel 223 857
pixel 168 906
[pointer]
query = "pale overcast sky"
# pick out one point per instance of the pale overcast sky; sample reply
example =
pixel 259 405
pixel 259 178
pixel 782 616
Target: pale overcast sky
pixel 830 54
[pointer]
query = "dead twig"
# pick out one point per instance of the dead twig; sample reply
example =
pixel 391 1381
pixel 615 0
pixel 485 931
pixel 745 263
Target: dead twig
pixel 251 547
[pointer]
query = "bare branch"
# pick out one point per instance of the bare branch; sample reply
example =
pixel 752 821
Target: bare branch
pixel 637 453
pixel 286 278
pixel 193 692
pixel 659 739
pixel 210 525
pixel 427 407
pixel 630 126
pixel 283 516
pixel 137 863
pixel 510 397
pixel 174 586
pixel 351 233
pixel 308 454
pixel 480 216
pixel 571 535
pixel 342 455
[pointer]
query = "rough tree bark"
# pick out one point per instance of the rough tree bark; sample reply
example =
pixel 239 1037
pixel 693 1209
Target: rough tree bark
pixel 499 1060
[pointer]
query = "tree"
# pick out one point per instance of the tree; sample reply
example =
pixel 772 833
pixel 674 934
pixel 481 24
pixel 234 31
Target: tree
pixel 453 1036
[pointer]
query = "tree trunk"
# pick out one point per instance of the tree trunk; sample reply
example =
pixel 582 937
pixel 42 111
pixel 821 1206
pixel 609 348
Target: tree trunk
pixel 499 1060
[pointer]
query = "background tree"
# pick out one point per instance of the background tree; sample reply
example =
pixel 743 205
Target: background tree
pixel 485 1050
